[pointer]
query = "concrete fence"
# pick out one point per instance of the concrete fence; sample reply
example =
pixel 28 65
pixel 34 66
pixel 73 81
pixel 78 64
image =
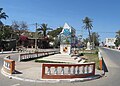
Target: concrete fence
pixel 67 71
pixel 9 65
pixel 35 55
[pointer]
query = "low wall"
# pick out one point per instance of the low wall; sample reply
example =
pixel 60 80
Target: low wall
pixel 67 71
pixel 35 55
pixel 9 65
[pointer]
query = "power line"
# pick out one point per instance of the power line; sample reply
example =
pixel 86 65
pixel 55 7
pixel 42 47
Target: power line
pixel 106 32
pixel 97 31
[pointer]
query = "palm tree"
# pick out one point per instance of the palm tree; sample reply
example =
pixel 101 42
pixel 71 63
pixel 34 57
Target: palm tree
pixel 56 32
pixel 44 29
pixel 118 34
pixel 88 26
pixel 2 16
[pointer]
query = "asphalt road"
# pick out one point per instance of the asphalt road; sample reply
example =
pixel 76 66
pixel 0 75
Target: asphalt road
pixel 111 78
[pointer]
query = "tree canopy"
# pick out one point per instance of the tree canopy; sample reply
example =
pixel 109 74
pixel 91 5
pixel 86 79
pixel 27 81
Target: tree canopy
pixel 95 38
pixel 20 27
pixel 44 28
pixel 117 42
pixel 55 32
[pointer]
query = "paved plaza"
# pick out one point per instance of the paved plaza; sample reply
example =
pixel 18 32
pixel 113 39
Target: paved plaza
pixel 32 71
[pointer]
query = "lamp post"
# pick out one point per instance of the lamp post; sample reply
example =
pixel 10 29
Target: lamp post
pixel 36 36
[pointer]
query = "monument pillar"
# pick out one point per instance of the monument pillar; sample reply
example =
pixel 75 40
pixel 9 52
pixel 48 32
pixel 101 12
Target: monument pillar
pixel 66 39
pixel 65 49
pixel 88 46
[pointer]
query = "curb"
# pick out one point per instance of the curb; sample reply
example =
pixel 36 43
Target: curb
pixel 51 80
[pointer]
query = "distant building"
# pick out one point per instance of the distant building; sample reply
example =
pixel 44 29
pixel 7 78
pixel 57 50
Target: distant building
pixel 29 40
pixel 41 43
pixel 110 42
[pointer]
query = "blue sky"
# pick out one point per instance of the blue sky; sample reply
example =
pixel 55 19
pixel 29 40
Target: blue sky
pixel 104 13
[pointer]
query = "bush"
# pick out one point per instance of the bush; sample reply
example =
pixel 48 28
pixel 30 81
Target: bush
pixel 81 54
pixel 96 52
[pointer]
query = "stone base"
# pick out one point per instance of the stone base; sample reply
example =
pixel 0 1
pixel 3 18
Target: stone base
pixel 65 49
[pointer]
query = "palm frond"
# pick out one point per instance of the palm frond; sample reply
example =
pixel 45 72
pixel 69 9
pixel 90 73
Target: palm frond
pixel 1 10
pixel 3 15
pixel 39 29
pixel 49 29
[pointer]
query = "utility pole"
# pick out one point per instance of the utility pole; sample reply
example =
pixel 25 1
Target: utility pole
pixel 93 41
pixel 36 24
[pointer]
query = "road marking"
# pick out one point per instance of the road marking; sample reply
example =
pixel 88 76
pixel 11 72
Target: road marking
pixel 15 85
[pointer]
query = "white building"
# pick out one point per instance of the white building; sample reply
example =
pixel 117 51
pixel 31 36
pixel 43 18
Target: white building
pixel 110 42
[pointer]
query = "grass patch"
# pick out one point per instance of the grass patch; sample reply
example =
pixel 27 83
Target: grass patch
pixel 92 58
pixel 46 61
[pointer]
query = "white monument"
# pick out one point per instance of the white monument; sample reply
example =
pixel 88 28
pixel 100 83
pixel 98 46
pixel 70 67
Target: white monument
pixel 66 39
pixel 88 46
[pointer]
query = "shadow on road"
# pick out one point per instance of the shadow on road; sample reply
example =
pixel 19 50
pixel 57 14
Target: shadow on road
pixel 17 72
pixel 104 66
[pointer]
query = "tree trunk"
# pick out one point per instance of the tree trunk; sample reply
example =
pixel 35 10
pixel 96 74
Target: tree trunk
pixel 44 33
pixel 89 36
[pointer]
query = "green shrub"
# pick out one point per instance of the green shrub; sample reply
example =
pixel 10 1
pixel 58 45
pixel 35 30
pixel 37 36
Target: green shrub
pixel 81 54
